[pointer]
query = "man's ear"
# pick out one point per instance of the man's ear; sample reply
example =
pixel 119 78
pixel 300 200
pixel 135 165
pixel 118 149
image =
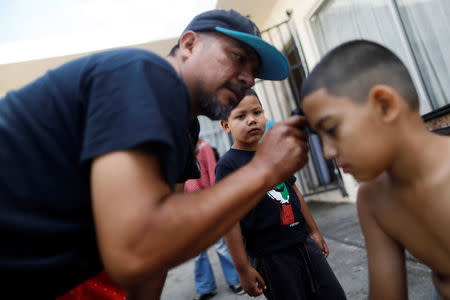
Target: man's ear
pixel 187 43
pixel 386 102
pixel 225 126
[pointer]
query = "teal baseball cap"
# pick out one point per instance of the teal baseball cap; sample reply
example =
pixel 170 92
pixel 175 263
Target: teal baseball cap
pixel 274 65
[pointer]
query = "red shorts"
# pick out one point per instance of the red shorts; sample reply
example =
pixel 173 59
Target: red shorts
pixel 99 287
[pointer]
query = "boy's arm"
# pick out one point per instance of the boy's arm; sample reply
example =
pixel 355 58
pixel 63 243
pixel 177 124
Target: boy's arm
pixel 251 280
pixel 311 224
pixel 386 257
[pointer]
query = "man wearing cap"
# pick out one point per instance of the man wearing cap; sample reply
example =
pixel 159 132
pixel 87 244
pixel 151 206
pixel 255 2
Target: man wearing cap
pixel 90 153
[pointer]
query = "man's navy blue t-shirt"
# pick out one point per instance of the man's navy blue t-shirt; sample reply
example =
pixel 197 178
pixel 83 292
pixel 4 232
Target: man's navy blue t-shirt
pixel 50 131
pixel 276 222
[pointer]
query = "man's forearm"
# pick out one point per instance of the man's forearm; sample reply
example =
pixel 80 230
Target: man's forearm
pixel 165 234
pixel 149 290
pixel 144 228
pixel 208 213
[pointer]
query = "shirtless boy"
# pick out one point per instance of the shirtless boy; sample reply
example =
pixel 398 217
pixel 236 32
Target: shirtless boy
pixel 361 99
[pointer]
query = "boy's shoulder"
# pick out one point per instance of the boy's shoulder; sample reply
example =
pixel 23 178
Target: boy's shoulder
pixel 382 188
pixel 223 160
pixel 412 216
pixel 235 156
pixel 372 192
pixel 232 160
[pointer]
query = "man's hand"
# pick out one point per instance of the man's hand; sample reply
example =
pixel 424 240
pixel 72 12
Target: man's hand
pixel 318 238
pixel 284 149
pixel 252 282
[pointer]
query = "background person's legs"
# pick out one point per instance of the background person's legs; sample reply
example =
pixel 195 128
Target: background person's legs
pixel 204 276
pixel 231 275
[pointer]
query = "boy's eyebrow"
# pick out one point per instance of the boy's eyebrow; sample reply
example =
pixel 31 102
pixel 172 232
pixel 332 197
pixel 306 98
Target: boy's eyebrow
pixel 319 124
pixel 238 110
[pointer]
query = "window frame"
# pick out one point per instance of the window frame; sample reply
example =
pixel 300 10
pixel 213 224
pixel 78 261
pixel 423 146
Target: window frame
pixel 426 105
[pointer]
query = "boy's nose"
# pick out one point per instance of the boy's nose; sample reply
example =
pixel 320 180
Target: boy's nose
pixel 251 119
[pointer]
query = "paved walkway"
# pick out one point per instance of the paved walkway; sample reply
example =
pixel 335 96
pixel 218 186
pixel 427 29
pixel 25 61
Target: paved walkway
pixel 339 225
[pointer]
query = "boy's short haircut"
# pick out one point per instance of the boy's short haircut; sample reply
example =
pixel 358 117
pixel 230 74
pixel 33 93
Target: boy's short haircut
pixel 353 68
pixel 249 92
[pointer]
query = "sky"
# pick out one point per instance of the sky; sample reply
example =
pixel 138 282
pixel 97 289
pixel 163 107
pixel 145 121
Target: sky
pixel 34 29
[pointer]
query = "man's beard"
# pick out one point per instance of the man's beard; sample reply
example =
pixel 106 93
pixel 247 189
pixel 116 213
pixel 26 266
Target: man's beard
pixel 210 105
pixel 214 110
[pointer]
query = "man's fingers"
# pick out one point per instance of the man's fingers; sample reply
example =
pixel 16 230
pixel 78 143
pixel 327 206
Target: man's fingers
pixel 292 127
pixel 298 133
pixel 296 121
pixel 284 148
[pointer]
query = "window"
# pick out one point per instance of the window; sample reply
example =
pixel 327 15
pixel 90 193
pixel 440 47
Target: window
pixel 427 26
pixel 416 30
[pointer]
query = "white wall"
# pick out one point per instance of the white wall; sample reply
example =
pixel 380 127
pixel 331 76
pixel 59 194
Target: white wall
pixel 301 11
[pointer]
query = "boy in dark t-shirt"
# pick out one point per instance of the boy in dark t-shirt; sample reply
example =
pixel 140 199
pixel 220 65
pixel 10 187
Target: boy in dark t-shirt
pixel 285 248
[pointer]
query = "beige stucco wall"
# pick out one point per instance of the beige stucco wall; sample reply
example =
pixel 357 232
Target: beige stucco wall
pixel 15 75
pixel 257 10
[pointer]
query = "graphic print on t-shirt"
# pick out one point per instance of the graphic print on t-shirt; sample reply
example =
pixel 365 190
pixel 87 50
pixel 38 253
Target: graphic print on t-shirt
pixel 280 194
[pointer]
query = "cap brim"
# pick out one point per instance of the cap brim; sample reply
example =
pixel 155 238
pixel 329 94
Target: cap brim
pixel 274 65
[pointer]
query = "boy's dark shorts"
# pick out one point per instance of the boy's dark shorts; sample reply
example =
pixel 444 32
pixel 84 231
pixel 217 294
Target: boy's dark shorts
pixel 298 272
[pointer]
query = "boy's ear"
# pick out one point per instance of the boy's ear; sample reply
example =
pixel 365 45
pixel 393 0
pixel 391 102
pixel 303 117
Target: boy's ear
pixel 385 101
pixel 225 126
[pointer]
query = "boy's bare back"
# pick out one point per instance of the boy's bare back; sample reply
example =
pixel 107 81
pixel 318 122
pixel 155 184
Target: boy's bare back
pixel 412 215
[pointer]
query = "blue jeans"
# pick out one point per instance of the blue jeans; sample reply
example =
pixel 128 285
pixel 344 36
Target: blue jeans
pixel 204 276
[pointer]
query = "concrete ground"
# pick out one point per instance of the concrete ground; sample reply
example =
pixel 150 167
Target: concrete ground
pixel 339 225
